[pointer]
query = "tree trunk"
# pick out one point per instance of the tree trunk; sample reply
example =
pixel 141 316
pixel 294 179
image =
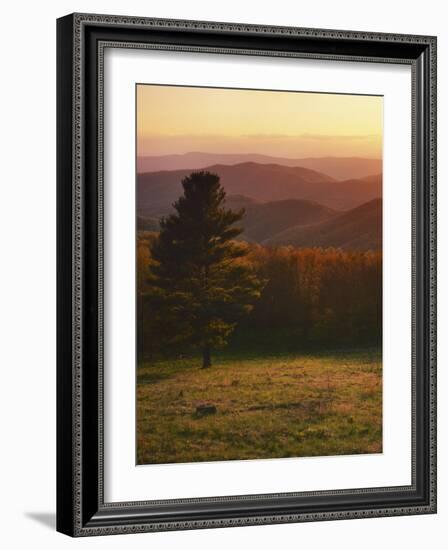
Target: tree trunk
pixel 206 359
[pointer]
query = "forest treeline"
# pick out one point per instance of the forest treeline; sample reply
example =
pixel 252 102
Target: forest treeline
pixel 311 297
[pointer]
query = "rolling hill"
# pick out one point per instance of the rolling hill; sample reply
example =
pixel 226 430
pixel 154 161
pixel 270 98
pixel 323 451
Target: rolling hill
pixel 357 229
pixel 302 223
pixel 338 167
pixel 262 221
pixel 157 191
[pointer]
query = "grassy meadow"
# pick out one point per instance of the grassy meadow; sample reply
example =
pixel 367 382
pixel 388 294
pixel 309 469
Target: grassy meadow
pixel 270 406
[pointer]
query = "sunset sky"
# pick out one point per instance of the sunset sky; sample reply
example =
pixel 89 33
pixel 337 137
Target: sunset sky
pixel 173 119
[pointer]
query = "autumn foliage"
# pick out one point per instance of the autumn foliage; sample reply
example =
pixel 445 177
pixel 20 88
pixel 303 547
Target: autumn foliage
pixel 324 296
pixel 312 297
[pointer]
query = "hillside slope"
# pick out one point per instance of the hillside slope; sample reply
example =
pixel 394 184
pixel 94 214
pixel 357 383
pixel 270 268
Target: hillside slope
pixel 262 221
pixel 357 229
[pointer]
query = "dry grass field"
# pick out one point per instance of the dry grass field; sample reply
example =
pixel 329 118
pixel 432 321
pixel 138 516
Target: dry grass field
pixel 288 405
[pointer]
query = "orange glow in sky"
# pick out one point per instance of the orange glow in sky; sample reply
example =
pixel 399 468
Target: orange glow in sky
pixel 175 119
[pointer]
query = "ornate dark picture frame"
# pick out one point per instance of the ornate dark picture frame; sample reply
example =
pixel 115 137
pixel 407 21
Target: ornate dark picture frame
pixel 81 509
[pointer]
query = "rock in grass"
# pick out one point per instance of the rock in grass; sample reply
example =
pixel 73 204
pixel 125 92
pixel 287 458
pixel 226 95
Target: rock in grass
pixel 204 410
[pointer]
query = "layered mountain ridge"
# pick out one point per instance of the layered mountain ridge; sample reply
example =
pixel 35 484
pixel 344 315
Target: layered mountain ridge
pixel 284 205
pixel 340 168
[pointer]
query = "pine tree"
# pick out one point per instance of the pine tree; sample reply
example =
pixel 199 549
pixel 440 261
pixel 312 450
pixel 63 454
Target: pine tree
pixel 201 285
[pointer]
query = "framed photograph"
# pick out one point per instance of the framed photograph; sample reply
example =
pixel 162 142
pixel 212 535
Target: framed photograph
pixel 246 274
